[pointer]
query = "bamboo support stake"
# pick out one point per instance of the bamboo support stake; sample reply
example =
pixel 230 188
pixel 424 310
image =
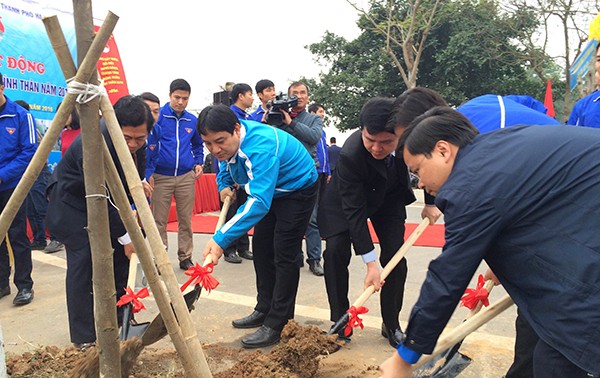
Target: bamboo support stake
pixel 98 230
pixel 66 62
pixel 141 248
pixel 157 247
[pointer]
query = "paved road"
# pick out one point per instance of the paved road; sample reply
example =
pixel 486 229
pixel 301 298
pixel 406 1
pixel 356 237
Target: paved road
pixel 44 321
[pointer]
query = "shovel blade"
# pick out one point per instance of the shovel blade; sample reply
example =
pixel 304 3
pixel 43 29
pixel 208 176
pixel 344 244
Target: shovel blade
pixel 156 330
pixel 339 325
pixel 130 328
pixel 445 365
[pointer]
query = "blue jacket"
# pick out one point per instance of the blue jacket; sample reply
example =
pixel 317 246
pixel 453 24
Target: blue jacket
pixel 269 163
pixel 257 115
pixel 18 143
pixel 525 200
pixel 174 145
pixel 241 114
pixel 490 112
pixel 586 111
pixel 323 155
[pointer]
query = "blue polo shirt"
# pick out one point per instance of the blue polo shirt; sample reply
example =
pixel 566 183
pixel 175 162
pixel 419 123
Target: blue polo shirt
pixel 586 111
pixel 241 114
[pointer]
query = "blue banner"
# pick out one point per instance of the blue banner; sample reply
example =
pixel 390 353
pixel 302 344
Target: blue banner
pixel 582 63
pixel 27 61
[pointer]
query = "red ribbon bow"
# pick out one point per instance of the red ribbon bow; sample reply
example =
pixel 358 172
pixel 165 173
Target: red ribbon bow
pixel 474 296
pixel 134 298
pixel 354 321
pixel 201 275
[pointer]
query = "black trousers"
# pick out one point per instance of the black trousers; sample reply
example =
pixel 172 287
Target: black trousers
pixel 336 258
pixel 535 358
pixel 277 247
pixel 79 289
pixel 525 342
pixel 17 233
pixel 243 243
pixel 550 363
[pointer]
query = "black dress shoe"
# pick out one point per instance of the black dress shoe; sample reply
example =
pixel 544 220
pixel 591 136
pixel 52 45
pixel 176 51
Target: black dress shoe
pixel 246 255
pixel 4 291
pixel 256 319
pixel 315 268
pixel 233 258
pixel 186 264
pixel 24 296
pixel 395 337
pixel 264 336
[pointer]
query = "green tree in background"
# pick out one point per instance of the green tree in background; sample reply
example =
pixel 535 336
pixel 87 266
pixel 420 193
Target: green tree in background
pixel 471 49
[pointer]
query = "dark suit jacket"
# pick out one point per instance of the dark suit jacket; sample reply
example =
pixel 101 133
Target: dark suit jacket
pixel 66 218
pixel 334 155
pixel 360 188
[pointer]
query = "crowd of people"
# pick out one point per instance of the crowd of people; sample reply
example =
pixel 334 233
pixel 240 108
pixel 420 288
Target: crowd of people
pixel 512 193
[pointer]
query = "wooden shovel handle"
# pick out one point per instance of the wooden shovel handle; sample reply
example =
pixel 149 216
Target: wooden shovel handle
pixel 220 223
pixel 394 261
pixel 468 326
pixel 133 263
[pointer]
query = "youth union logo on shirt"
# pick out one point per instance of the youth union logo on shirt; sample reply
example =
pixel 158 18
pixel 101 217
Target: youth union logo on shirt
pixel 188 130
pixel 11 130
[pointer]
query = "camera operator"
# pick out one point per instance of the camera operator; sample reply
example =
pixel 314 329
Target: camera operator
pixel 307 128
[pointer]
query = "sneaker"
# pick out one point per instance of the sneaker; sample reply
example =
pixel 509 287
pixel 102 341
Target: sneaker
pixel 38 246
pixel 54 246
pixel 82 347
pixel 246 255
pixel 233 258
pixel 315 268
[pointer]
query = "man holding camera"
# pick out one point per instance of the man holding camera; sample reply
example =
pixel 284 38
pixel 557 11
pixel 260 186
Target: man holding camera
pixel 307 128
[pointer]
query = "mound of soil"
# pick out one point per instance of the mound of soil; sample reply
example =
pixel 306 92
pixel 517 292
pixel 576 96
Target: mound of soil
pixel 298 355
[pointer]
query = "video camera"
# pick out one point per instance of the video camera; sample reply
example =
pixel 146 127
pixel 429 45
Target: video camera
pixel 281 102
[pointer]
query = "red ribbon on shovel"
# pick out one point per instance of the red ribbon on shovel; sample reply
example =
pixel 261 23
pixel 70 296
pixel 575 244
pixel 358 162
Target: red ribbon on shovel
pixel 201 275
pixel 354 321
pixel 474 296
pixel 134 298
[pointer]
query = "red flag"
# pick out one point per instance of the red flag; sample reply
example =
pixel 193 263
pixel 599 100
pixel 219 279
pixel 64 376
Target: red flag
pixel 548 100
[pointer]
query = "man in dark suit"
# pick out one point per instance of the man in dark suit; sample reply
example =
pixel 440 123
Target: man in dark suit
pixel 334 152
pixel 370 182
pixel 515 198
pixel 67 217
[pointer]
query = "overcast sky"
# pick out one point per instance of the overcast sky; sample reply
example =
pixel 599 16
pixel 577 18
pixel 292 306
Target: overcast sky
pixel 211 42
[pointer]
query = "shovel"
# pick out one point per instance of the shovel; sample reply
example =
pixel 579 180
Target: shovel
pixel 343 321
pixel 450 362
pixel 130 328
pixel 157 329
pixel 450 365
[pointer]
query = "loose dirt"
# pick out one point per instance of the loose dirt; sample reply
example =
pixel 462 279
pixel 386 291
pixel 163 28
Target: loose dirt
pixel 303 352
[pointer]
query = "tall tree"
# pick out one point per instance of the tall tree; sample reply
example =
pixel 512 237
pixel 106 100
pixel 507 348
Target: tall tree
pixel 470 50
pixel 561 35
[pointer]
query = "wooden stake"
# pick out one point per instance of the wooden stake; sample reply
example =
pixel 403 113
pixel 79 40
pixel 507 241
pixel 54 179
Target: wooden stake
pixel 105 311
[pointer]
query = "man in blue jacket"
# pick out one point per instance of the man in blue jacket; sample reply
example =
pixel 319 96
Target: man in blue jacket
pixel 18 143
pixel 586 111
pixel 533 187
pixel 175 157
pixel 279 177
